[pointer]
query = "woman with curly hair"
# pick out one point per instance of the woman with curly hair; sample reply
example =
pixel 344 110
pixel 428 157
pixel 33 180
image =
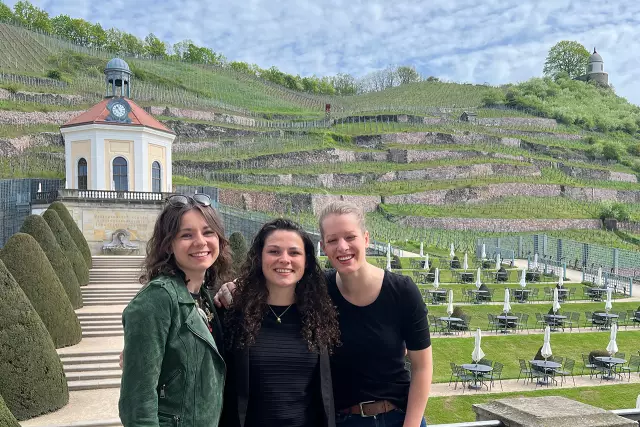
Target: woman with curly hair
pixel 280 331
pixel 173 370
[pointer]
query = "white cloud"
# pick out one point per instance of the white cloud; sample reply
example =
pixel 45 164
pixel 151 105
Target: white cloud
pixel 495 41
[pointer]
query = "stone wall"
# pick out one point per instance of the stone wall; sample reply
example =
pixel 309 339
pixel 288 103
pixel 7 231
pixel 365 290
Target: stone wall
pixel 204 130
pixel 500 225
pixel 355 180
pixel 46 98
pixel 598 174
pixel 209 116
pixel 439 138
pixel 9 147
pixel 18 118
pixel 517 121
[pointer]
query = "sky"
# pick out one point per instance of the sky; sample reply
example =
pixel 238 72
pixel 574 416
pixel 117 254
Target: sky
pixel 488 41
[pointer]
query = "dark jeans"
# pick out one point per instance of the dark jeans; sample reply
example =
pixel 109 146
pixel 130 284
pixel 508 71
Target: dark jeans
pixel 393 418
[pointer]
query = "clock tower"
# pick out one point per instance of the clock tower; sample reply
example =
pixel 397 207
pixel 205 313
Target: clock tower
pixel 116 145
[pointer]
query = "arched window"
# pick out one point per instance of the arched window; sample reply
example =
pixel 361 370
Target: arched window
pixel 120 174
pixel 82 174
pixel 156 177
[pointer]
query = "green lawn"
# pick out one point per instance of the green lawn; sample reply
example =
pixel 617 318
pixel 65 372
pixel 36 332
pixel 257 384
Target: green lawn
pixel 479 313
pixel 458 409
pixel 508 349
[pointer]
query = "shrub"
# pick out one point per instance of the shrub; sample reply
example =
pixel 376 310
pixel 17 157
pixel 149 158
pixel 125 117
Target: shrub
pixel 31 376
pixel 597 353
pixel 6 417
pixel 615 210
pixel 68 246
pixel 457 312
pixel 74 231
pixel 539 354
pixel 28 264
pixel 238 249
pixel 54 74
pixel 37 227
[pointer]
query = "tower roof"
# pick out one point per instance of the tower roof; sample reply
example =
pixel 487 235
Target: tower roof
pixel 99 113
pixel 117 64
pixel 595 56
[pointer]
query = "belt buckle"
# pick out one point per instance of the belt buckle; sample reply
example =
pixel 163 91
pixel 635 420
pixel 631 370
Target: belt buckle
pixel 362 410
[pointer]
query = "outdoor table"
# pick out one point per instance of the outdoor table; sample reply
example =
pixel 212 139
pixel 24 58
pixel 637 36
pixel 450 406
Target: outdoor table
pixel 522 295
pixel 507 321
pixel 437 295
pixel 562 293
pixel 477 294
pixel 478 371
pixel 608 317
pixel 610 363
pixel 547 366
pixel 466 277
pixel 449 321
pixel 596 293
pixel 555 320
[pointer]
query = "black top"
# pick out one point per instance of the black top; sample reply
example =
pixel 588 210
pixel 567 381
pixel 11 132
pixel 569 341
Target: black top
pixel 370 363
pixel 281 370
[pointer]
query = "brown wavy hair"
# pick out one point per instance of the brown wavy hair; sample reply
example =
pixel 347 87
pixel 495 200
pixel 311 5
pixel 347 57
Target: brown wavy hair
pixel 319 317
pixel 160 260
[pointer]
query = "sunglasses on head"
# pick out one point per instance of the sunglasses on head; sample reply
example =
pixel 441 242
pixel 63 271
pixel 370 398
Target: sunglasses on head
pixel 179 200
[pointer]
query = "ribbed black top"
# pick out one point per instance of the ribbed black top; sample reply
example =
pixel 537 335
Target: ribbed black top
pixel 284 386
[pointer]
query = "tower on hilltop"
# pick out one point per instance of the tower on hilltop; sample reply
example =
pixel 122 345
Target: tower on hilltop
pixel 595 70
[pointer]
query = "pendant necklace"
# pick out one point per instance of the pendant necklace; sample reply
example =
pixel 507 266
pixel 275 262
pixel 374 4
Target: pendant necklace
pixel 281 314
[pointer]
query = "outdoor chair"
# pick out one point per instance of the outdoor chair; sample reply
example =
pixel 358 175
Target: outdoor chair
pixel 632 366
pixel 548 294
pixel 486 362
pixel 586 364
pixel 588 319
pixel 622 319
pixel 567 370
pixel 557 359
pixel 540 321
pixel 572 294
pixel 523 323
pixel 534 295
pixel 620 355
pixel 524 370
pixel 464 377
pixel 631 314
pixel 493 323
pixel 496 374
pixel 454 372
pixel 573 320
pixel 462 326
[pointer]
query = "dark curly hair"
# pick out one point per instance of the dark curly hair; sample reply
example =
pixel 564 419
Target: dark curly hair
pixel 160 260
pixel 319 317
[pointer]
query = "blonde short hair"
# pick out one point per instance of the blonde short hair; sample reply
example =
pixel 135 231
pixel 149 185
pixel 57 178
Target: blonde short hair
pixel 341 208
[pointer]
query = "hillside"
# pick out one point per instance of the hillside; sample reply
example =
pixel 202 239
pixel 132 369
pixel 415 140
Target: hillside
pixel 404 154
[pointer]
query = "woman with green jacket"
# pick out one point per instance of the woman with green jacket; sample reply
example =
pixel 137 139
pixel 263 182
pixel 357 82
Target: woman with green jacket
pixel 173 371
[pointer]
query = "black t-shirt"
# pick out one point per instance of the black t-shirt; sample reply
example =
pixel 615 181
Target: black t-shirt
pixel 369 365
pixel 284 386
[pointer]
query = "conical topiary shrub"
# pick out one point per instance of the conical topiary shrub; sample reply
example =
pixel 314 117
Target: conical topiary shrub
pixel 31 377
pixel 37 227
pixel 74 231
pixel 30 267
pixel 6 417
pixel 238 250
pixel 68 246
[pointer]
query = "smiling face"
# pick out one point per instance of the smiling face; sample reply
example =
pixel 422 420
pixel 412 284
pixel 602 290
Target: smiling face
pixel 196 246
pixel 344 242
pixel 283 259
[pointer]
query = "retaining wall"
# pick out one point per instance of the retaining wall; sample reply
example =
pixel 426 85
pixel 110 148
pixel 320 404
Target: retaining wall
pixel 500 225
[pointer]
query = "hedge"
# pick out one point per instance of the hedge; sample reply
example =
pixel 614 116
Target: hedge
pixel 6 417
pixel 38 228
pixel 238 250
pixel 29 266
pixel 68 246
pixel 74 231
pixel 31 376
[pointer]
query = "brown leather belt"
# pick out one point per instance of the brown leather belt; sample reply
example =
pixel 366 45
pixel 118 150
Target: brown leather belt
pixel 369 409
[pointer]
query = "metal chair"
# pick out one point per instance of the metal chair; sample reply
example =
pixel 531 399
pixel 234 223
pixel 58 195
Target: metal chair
pixel 586 364
pixel 632 366
pixel 567 370
pixel 496 374
pixel 524 370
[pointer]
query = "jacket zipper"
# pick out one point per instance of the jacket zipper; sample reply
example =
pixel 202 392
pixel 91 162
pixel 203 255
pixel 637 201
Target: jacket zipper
pixel 164 386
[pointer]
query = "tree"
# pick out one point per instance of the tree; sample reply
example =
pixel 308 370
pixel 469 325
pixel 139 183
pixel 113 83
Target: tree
pixel 97 36
pixel 6 15
pixel 132 45
pixel 74 231
pixel 6 417
pixel 344 84
pixel 407 74
pixel 238 246
pixel 37 227
pixel 154 46
pixel 566 56
pixel 31 376
pixel 242 67
pixel 32 16
pixel 114 40
pixel 29 266
pixel 68 246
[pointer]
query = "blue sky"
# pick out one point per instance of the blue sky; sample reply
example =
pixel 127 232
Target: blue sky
pixel 494 41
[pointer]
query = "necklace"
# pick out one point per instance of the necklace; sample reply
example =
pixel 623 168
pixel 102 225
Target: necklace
pixel 281 314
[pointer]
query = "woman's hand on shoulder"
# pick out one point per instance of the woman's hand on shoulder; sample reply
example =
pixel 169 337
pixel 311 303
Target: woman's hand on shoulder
pixel 224 296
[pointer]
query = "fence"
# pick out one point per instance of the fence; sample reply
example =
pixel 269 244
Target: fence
pixel 15 201
pixel 576 255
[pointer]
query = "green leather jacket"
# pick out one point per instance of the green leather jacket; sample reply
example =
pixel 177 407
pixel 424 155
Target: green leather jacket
pixel 173 374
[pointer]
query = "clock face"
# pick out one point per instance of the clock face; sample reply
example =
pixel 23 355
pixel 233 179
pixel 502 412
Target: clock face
pixel 119 110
